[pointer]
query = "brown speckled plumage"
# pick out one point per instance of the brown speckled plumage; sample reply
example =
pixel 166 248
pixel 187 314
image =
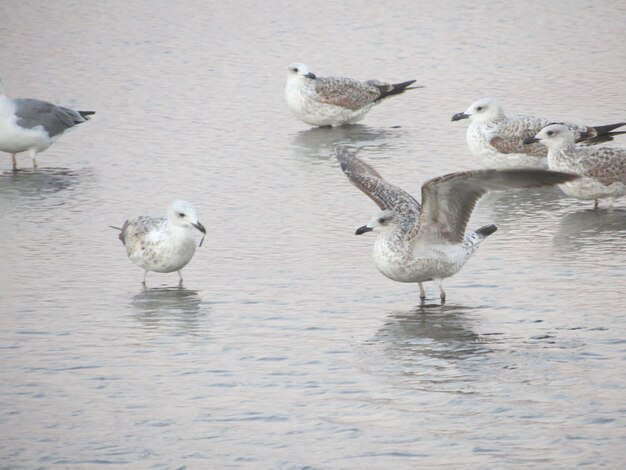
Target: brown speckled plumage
pixel 602 169
pixel 334 101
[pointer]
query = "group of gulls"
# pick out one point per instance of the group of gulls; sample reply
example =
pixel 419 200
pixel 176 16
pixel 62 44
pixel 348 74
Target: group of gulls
pixel 428 242
pixel 416 242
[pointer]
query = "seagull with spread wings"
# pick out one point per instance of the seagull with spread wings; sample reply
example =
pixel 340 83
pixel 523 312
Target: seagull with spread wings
pixel 498 139
pixel 428 242
pixel 333 101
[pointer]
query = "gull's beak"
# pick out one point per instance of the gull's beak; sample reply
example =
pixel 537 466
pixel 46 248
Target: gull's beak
pixel 200 227
pixel 310 75
pixel 459 116
pixel 531 140
pixel 362 230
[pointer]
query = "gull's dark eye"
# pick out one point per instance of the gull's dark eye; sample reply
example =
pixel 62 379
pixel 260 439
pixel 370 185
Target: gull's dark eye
pixel 295 69
pixel 479 108
pixel 550 132
pixel 181 214
pixel 382 220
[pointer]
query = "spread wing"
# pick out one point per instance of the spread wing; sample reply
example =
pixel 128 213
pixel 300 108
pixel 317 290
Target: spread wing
pixel 385 195
pixel 345 92
pixel 448 201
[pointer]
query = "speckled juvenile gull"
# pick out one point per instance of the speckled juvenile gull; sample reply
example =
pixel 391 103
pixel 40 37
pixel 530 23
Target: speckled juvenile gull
pixel 162 244
pixel 33 125
pixel 602 169
pixel 497 139
pixel 333 101
pixel 428 242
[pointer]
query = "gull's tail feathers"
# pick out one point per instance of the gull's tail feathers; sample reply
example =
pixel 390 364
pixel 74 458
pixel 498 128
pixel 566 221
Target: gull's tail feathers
pixel 486 230
pixel 604 133
pixel 387 90
pixel 473 239
pixel 588 135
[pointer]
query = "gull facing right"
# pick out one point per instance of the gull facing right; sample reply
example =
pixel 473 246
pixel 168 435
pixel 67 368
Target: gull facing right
pixel 428 242
pixel 602 169
pixel 162 244
pixel 497 139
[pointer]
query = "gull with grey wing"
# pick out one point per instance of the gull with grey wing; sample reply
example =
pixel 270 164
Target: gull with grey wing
pixel 428 242
pixel 33 125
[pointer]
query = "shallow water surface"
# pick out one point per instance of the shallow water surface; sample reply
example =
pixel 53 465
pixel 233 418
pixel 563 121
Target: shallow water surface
pixel 285 348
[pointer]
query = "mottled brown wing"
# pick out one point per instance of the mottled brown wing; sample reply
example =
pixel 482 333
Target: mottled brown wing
pixel 385 195
pixel 508 136
pixel 607 165
pixel 345 92
pixel 516 146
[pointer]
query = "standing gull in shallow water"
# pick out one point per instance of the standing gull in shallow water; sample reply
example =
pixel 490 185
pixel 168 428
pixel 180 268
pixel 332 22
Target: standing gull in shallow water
pixel 33 125
pixel 428 242
pixel 497 139
pixel 333 101
pixel 162 244
pixel 602 169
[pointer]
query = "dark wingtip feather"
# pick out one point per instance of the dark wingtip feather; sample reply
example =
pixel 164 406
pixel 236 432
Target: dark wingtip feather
pixel 486 230
pixel 600 134
pixel 606 130
pixel 395 89
pixel 557 177
pixel 85 114
pixel 601 138
pixel 538 178
pixel 402 86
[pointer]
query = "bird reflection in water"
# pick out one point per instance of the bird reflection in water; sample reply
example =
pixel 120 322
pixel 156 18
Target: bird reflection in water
pixel 507 207
pixel 434 330
pixel 434 347
pixel 169 308
pixel 599 230
pixel 321 141
pixel 37 183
